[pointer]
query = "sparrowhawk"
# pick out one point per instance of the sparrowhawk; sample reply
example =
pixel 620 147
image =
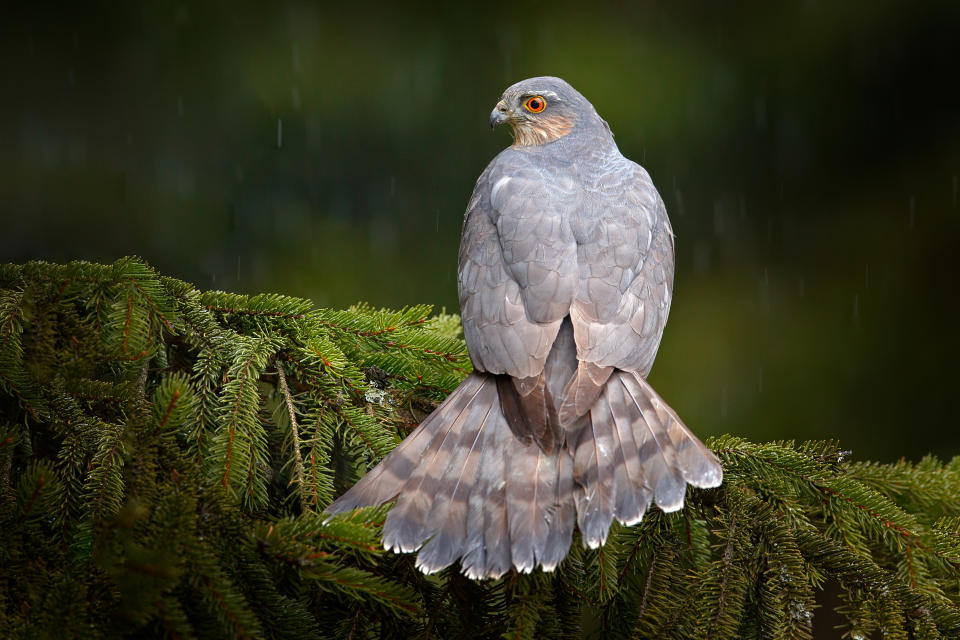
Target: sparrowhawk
pixel 565 280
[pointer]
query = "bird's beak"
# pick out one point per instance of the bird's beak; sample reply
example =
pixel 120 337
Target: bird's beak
pixel 499 114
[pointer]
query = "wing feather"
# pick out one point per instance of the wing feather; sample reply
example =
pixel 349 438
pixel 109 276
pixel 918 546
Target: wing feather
pixel 518 273
pixel 626 276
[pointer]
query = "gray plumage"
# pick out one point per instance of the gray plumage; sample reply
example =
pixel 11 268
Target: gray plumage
pixel 565 281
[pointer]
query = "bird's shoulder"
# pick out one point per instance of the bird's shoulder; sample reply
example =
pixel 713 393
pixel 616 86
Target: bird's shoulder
pixel 511 181
pixel 600 183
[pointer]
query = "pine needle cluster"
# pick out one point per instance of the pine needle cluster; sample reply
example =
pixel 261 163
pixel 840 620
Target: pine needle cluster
pixel 166 454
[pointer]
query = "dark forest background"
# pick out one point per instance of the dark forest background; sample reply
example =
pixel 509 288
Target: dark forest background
pixel 808 153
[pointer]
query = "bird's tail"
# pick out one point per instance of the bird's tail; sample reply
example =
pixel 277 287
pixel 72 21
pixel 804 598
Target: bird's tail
pixel 467 488
pixel 632 451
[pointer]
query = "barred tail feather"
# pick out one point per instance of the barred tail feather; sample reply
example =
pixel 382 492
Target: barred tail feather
pixel 431 486
pixel 468 489
pixel 634 450
pixel 486 548
pixel 496 525
pixel 668 453
pixel 698 464
pixel 594 471
pixel 531 491
pixel 449 510
pixel 561 516
pixel 384 482
pixel 633 496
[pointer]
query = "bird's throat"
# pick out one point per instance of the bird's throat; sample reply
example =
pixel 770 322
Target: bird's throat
pixel 528 134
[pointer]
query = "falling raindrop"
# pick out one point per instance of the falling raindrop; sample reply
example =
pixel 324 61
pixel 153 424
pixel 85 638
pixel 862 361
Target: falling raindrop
pixel 760 113
pixel 718 217
pixel 856 310
pixel 279 133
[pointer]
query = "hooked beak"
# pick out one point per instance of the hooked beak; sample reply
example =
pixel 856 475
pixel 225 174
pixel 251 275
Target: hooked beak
pixel 499 114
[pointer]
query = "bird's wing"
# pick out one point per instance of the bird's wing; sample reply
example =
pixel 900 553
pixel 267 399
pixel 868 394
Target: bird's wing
pixel 518 273
pixel 517 278
pixel 625 276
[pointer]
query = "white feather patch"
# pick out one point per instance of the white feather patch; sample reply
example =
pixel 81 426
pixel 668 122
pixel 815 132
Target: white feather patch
pixel 500 184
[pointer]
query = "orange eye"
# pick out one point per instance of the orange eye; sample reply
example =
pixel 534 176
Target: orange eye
pixel 536 104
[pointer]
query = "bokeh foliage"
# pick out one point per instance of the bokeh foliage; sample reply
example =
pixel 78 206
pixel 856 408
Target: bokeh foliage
pixel 808 153
pixel 165 455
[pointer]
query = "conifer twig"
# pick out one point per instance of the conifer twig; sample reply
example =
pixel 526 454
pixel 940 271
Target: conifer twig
pixel 294 430
pixel 80 507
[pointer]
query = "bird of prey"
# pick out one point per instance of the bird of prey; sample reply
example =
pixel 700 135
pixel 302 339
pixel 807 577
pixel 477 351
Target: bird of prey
pixel 565 280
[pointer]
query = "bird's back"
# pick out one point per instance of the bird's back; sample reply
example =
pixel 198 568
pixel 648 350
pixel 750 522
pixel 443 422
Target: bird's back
pixel 565 280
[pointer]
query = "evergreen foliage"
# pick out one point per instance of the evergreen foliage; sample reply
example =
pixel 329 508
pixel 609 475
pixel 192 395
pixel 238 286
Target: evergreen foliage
pixel 165 456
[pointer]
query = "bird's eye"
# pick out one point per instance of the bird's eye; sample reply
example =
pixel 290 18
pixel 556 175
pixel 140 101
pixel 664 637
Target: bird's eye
pixel 536 104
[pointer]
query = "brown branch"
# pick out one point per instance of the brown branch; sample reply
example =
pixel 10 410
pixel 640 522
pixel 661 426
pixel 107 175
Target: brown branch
pixel 382 594
pixel 251 312
pixel 233 422
pixel 106 474
pixel 36 491
pixel 227 610
pixel 646 587
pixel 153 304
pixel 250 473
pixel 173 401
pixel 126 324
pixel 17 391
pixel 366 334
pixel 727 561
pixel 166 620
pixel 294 432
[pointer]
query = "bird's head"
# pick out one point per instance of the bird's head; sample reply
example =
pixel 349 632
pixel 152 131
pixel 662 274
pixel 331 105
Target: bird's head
pixel 541 110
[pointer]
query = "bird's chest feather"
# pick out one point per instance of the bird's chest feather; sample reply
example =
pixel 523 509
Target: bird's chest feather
pixel 568 234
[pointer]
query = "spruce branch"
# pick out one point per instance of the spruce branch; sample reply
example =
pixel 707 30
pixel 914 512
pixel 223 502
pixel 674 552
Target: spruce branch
pixel 294 434
pixel 147 489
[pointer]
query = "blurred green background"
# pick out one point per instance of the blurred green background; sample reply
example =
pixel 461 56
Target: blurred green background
pixel 808 153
